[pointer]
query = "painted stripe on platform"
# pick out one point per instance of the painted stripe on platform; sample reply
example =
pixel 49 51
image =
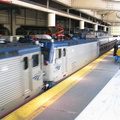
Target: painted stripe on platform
pixel 31 109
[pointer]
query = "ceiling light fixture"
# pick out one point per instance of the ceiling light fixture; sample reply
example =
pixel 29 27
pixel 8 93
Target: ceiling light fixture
pixel 115 0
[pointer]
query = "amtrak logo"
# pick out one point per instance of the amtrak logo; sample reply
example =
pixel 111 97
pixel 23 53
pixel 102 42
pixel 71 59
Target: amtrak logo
pixel 57 67
pixel 36 77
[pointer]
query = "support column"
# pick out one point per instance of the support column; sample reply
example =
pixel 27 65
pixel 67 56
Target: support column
pixel 81 24
pixel 96 27
pixel 51 19
pixel 69 25
pixel 67 11
pixel 48 4
pixel 13 23
pixel 105 29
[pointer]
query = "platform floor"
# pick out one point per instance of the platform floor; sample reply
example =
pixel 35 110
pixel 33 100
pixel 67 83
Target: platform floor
pixel 69 98
pixel 106 105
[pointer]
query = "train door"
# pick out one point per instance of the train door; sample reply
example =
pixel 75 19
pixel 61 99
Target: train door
pixel 26 73
pixel 98 47
pixel 60 61
pixel 64 63
pixel 31 72
pixel 36 71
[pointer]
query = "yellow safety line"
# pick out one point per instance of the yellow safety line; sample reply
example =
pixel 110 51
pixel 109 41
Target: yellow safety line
pixel 31 109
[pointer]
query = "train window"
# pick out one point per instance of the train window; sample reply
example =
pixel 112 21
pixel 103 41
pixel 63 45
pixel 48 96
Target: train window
pixel 64 52
pixel 35 60
pixel 2 55
pixel 25 60
pixel 12 53
pixel 14 39
pixel 58 53
pixel 46 52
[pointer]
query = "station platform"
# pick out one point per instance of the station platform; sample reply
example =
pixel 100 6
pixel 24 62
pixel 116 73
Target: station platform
pixel 78 96
pixel 106 105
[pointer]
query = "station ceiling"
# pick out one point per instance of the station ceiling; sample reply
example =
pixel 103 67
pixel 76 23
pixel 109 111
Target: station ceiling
pixel 109 10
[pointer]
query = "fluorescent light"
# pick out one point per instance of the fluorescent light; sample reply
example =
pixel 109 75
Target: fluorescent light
pixel 115 0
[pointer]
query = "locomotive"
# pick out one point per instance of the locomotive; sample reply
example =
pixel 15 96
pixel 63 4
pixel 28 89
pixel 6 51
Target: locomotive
pixel 63 57
pixel 21 75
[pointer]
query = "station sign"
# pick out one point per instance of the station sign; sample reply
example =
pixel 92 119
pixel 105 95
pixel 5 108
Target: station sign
pixel 114 30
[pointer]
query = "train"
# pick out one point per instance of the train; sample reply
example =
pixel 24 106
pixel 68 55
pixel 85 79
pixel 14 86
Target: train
pixel 106 43
pixel 21 75
pixel 26 68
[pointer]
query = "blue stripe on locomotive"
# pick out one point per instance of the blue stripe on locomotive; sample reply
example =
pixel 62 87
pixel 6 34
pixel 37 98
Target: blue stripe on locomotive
pixel 29 50
pixel 20 50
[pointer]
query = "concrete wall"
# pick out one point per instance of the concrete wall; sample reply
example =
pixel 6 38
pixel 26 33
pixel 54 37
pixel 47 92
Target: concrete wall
pixel 65 2
pixel 31 17
pixel 4 17
pixel 25 17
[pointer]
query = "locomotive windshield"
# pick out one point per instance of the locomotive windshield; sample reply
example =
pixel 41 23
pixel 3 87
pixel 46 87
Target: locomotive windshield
pixel 45 52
